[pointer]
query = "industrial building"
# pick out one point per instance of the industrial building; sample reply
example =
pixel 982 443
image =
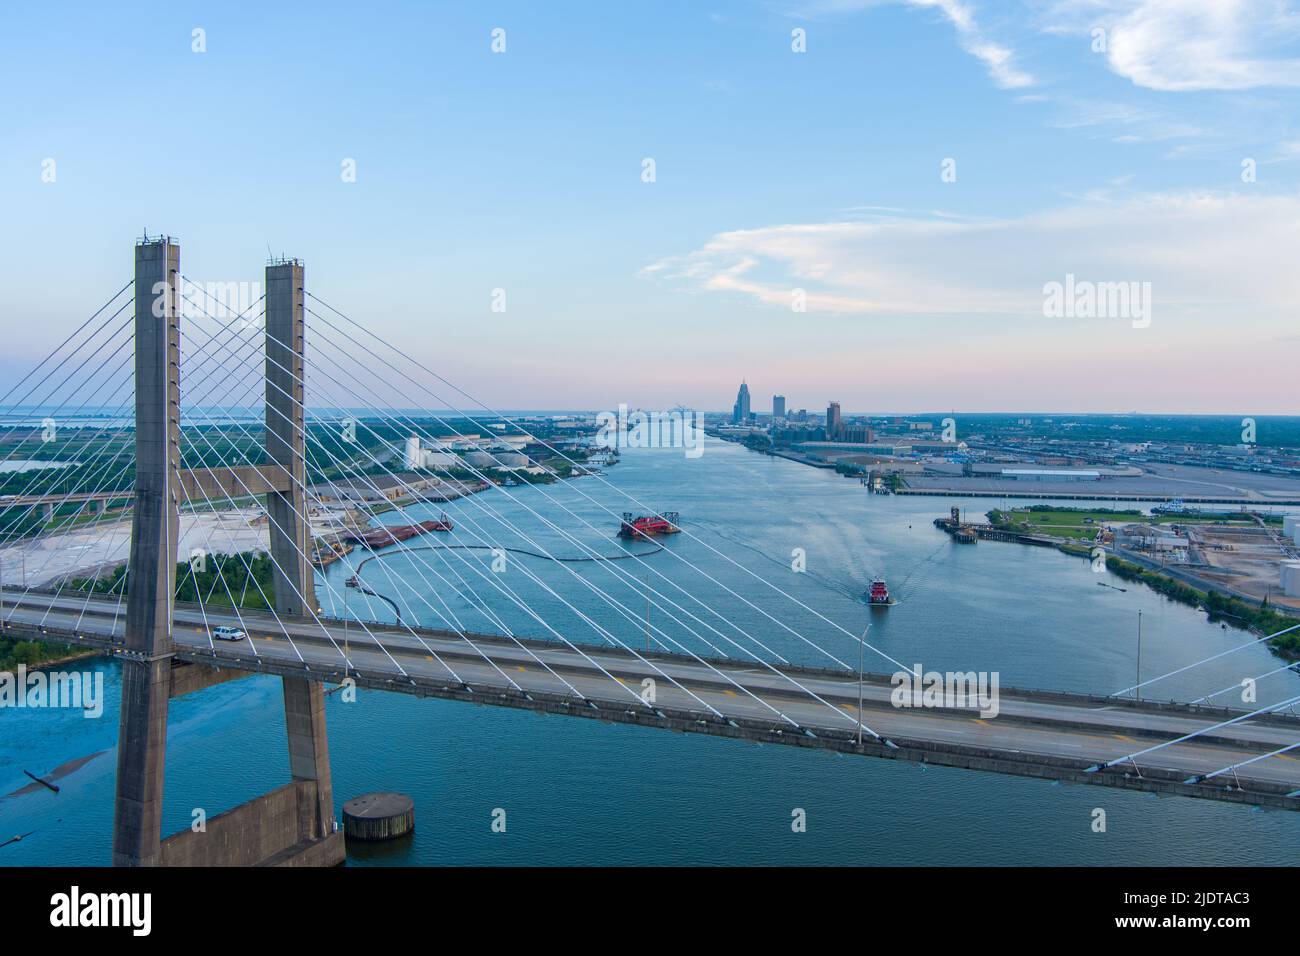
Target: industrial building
pixel 373 488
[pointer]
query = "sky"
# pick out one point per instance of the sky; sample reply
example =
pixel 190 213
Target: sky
pixel 865 201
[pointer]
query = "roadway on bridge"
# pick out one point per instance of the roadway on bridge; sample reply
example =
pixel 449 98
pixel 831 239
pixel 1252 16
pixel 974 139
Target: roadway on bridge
pixel 1071 726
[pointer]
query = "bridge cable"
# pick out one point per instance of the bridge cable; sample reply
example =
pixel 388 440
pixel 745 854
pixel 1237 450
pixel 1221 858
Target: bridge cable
pixel 600 477
pixel 1197 733
pixel 1212 657
pixel 58 348
pixel 617 607
pixel 560 530
pixel 581 545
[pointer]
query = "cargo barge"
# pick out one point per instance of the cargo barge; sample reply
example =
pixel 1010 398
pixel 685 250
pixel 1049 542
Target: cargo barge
pixel 386 535
pixel 647 526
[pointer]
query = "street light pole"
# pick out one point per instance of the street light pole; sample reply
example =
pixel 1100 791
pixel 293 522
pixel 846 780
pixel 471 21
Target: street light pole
pixel 861 650
pixel 1138 683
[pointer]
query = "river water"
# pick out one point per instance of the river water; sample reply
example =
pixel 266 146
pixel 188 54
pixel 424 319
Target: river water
pixel 579 791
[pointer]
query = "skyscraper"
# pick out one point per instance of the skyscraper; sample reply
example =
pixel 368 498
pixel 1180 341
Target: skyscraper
pixel 778 406
pixel 833 421
pixel 740 411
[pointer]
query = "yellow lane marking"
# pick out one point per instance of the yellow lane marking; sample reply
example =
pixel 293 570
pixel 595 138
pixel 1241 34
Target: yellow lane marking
pixel 981 722
pixel 729 693
pixel 428 657
pixel 1127 740
pixel 520 667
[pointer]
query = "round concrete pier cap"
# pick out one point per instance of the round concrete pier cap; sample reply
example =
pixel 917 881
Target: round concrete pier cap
pixel 379 816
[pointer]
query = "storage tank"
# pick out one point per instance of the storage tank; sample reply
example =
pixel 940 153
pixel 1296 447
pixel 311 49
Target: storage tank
pixel 479 459
pixel 1291 578
pixel 1289 523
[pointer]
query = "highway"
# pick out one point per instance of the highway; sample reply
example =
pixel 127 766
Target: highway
pixel 1034 733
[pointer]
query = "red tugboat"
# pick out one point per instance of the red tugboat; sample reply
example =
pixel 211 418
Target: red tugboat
pixel 645 526
pixel 879 593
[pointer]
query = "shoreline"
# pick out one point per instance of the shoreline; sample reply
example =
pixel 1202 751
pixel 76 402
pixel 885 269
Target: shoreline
pixel 63 658
pixel 1075 496
pixel 1185 588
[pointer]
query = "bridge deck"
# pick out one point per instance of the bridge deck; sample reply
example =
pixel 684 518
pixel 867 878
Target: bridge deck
pixel 1042 734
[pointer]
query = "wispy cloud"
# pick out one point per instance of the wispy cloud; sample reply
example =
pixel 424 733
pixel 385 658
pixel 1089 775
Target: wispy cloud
pixel 1223 253
pixel 998 58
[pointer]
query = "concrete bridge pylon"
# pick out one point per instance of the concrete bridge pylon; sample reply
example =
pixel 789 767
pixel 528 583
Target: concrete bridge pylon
pixel 293 825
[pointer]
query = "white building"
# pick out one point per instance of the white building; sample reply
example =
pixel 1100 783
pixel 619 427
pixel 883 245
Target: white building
pixel 418 458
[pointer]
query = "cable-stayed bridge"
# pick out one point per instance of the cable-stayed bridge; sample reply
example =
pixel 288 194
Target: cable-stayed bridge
pixel 197 465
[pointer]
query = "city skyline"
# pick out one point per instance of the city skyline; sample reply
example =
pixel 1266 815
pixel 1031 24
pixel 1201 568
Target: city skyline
pixel 1124 164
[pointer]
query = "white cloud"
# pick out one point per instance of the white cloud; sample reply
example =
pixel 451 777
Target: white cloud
pixel 1208 257
pixel 998 58
pixel 1186 45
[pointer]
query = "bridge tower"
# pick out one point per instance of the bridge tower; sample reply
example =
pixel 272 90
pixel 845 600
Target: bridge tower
pixel 291 538
pixel 294 824
pixel 155 526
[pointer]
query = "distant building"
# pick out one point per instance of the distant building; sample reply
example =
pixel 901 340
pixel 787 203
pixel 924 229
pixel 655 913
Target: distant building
pixel 1051 474
pixel 418 458
pixel 740 411
pixel 842 447
pixel 855 433
pixel 778 406
pixel 833 421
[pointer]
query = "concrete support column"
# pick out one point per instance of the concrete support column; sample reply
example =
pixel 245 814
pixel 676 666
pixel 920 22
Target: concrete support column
pixel 309 754
pixel 155 525
pixel 291 539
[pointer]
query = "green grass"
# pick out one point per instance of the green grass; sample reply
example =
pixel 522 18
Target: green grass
pixel 1063 523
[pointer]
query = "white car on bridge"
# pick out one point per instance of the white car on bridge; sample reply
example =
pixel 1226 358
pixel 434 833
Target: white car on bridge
pixel 228 634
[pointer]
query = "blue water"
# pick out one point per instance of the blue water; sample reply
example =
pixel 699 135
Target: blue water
pixel 578 791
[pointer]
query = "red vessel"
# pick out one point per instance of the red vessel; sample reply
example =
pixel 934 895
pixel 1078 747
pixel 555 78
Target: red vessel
pixel 879 593
pixel 645 526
